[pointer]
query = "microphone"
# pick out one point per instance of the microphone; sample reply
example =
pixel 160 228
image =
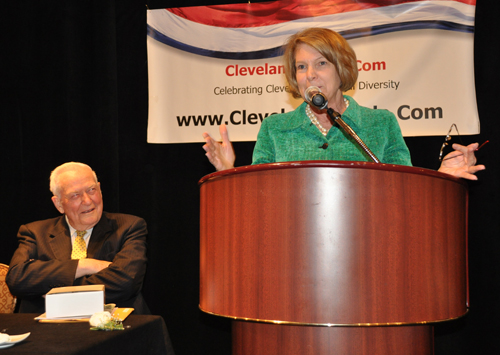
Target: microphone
pixel 315 97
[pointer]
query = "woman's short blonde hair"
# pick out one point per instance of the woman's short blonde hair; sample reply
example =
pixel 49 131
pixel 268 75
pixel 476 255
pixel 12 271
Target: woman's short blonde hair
pixel 332 46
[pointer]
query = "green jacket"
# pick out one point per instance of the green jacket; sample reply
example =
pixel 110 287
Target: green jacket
pixel 292 137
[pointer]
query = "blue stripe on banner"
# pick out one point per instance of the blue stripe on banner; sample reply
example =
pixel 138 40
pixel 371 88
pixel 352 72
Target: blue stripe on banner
pixel 406 26
pixel 277 51
pixel 266 53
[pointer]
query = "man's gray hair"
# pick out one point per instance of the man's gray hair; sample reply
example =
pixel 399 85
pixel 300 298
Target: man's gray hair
pixel 55 187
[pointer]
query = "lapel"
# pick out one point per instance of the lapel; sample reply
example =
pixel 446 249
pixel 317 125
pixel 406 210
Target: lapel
pixel 60 240
pixel 296 120
pixel 300 121
pixel 100 233
pixel 352 116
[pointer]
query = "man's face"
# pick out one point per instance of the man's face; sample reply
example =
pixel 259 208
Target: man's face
pixel 80 198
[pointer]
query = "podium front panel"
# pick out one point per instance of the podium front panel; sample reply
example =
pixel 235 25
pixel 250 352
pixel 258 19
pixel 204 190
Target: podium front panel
pixel 333 244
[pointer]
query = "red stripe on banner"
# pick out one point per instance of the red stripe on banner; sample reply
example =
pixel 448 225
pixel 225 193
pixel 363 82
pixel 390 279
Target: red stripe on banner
pixel 271 13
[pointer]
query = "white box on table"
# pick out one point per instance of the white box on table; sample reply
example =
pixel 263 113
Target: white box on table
pixel 74 301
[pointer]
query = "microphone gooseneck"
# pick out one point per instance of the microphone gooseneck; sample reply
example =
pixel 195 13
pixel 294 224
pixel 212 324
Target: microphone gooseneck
pixel 316 98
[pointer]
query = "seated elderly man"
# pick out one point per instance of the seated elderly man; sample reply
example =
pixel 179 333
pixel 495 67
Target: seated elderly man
pixel 85 246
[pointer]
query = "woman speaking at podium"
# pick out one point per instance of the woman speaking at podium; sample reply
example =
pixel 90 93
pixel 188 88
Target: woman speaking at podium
pixel 319 61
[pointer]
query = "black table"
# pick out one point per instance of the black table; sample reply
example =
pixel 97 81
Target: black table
pixel 142 335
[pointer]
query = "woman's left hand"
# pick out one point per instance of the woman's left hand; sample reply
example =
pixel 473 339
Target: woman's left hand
pixel 461 162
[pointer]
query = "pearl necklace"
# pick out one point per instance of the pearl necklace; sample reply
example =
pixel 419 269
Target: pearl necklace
pixel 315 121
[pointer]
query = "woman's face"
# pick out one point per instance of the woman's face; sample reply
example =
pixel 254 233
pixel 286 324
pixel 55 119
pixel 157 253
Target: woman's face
pixel 312 69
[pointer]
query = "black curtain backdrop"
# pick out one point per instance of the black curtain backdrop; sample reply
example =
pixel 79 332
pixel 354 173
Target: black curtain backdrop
pixel 74 88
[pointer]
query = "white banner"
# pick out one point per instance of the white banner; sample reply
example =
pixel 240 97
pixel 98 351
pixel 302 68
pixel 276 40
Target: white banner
pixel 221 64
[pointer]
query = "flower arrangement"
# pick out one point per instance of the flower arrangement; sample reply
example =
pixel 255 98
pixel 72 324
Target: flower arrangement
pixel 104 321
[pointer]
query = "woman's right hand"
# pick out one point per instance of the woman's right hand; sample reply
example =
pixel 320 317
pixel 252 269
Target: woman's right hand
pixel 220 154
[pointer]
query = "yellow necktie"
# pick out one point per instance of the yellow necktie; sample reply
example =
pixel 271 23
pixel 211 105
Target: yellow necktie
pixel 79 246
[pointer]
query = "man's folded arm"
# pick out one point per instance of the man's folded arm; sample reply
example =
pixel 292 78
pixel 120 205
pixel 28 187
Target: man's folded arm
pixel 29 276
pixel 124 276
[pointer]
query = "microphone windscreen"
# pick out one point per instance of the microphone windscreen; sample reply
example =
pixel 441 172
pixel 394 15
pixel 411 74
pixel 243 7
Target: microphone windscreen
pixel 314 97
pixel 310 92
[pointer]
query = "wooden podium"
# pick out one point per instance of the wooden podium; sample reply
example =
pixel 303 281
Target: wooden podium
pixel 324 257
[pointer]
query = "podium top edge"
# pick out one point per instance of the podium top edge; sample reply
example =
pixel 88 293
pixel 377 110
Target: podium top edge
pixel 329 164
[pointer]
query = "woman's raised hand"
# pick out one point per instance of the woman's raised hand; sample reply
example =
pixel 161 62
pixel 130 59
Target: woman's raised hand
pixel 462 162
pixel 220 154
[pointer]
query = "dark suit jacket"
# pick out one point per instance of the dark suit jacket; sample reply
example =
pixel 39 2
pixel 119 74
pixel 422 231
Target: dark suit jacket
pixel 43 261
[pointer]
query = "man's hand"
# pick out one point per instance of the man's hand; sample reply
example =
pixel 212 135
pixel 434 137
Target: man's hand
pixel 90 266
